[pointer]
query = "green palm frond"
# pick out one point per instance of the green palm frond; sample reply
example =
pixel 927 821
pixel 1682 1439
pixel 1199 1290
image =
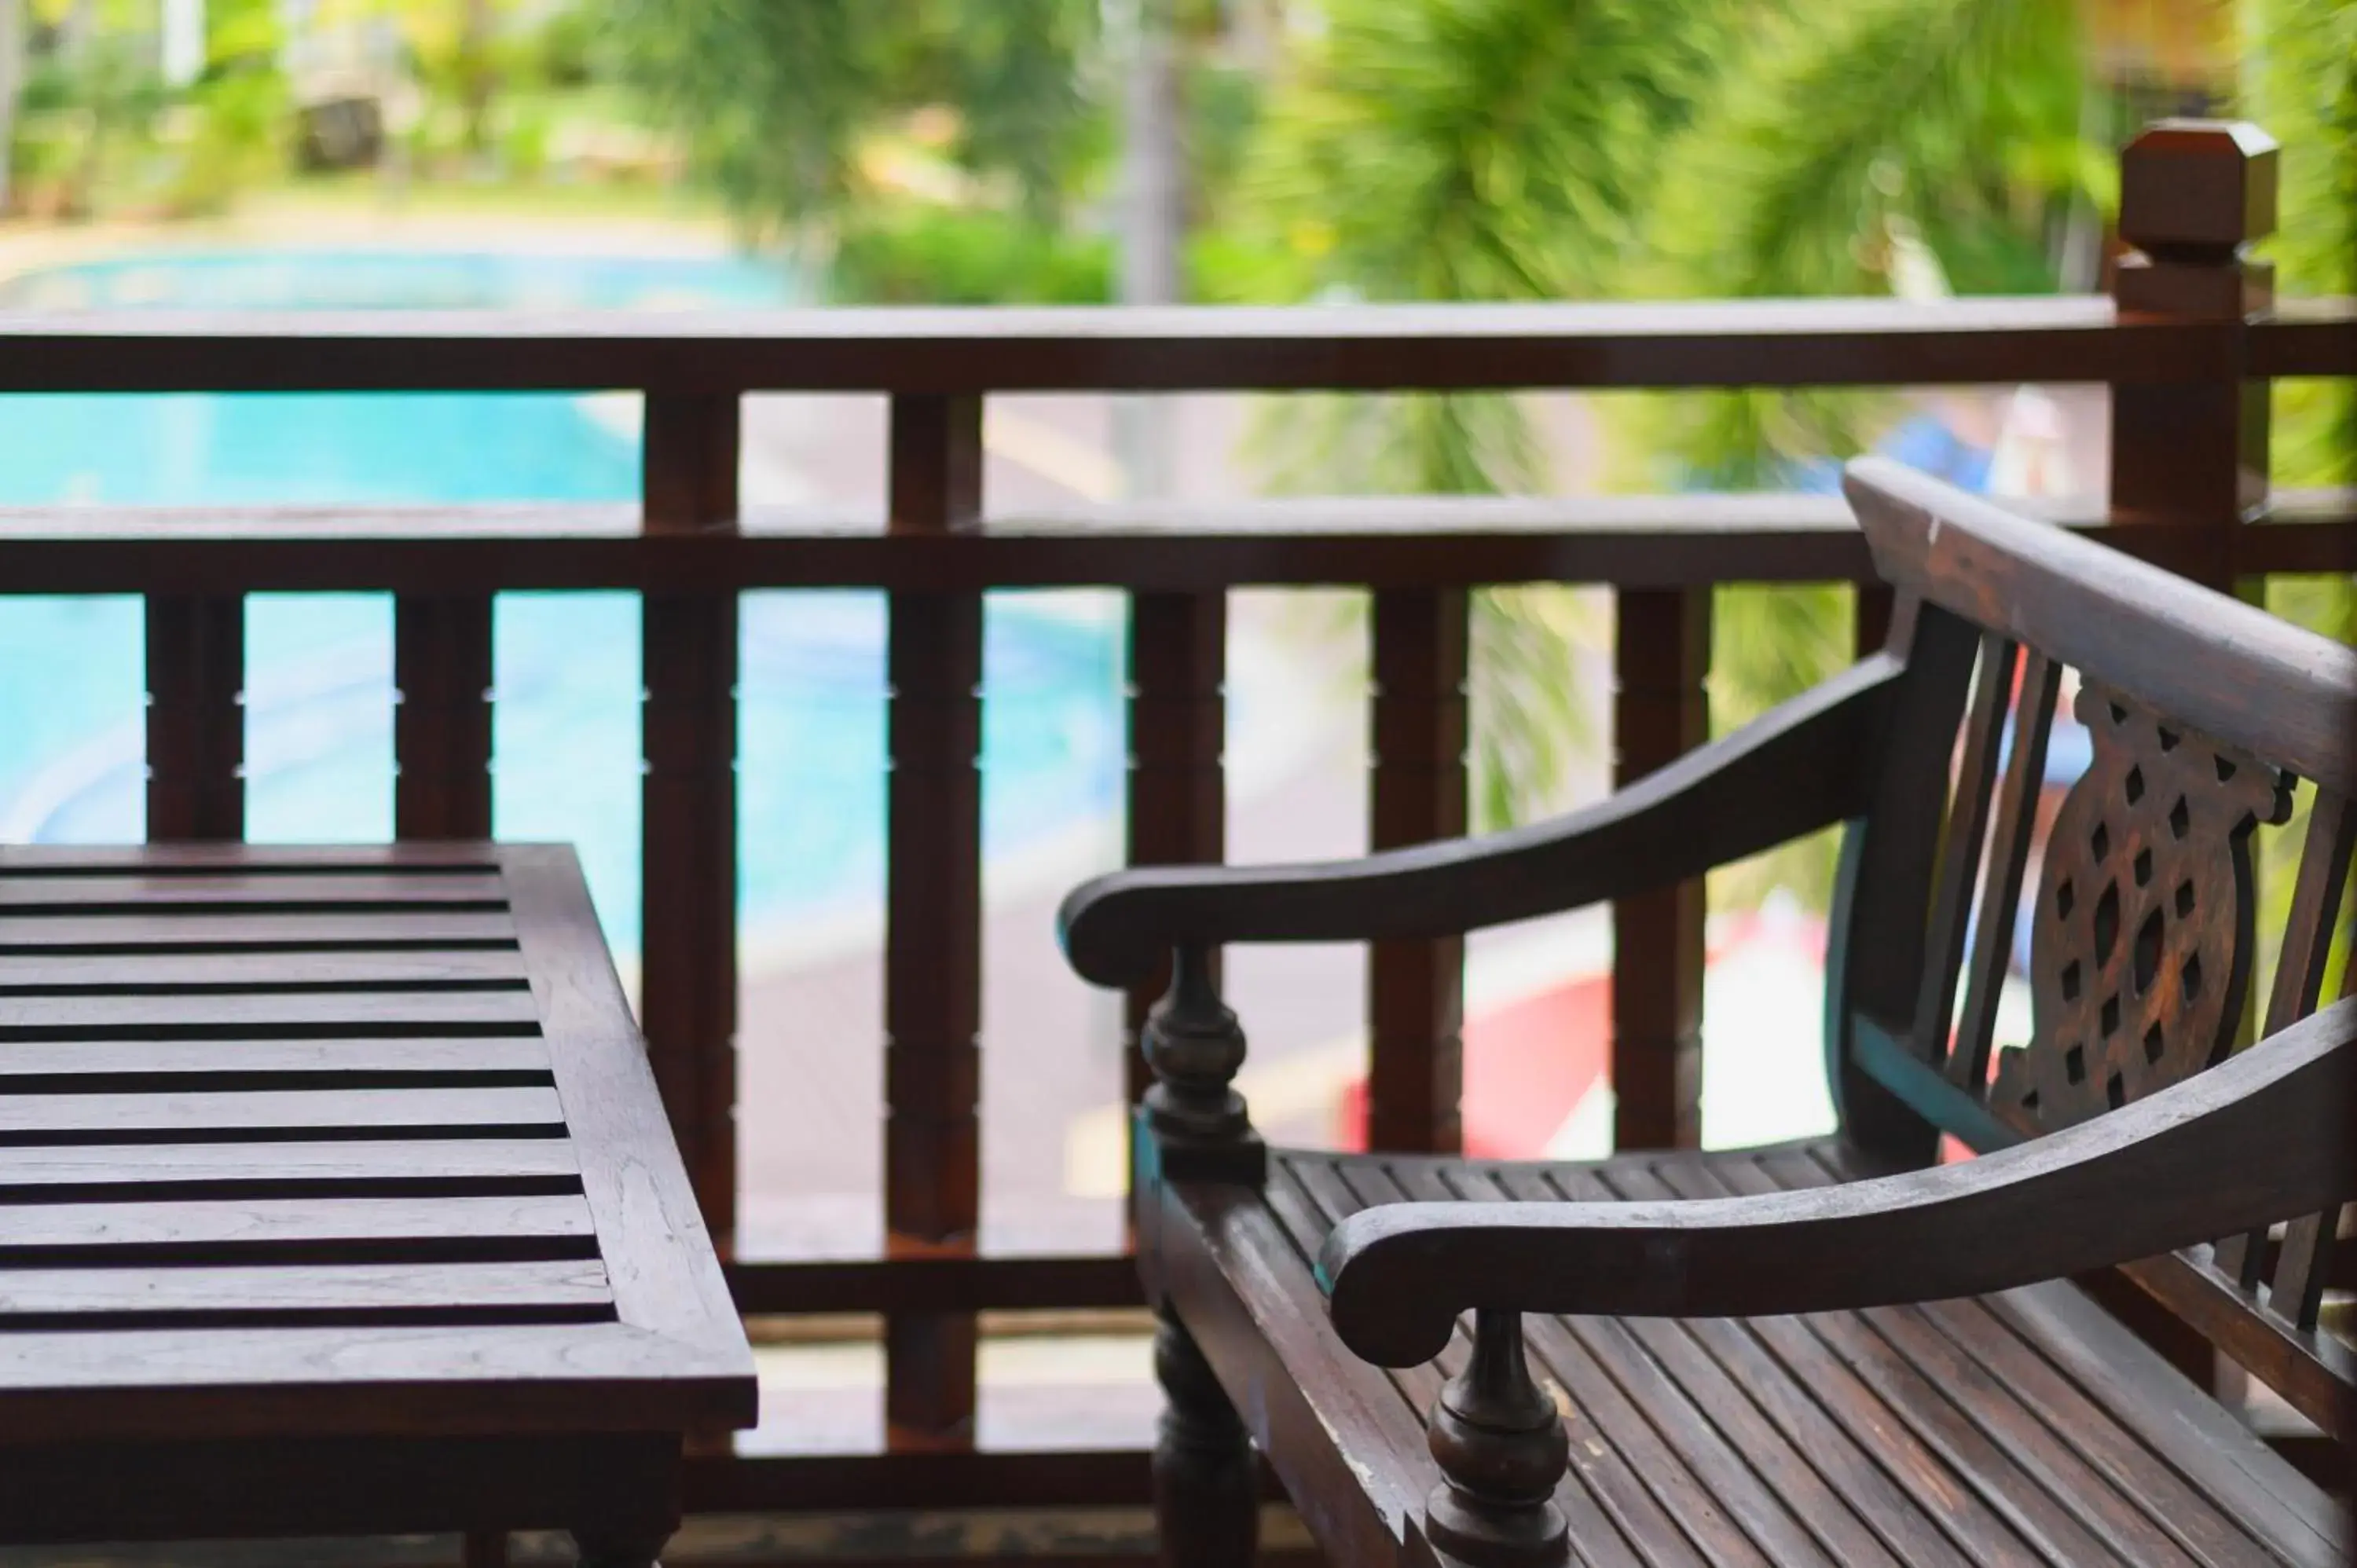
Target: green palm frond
pixel 1480 149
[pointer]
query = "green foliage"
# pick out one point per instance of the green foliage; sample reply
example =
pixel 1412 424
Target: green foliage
pixel 88 117
pixel 566 53
pixel 1015 70
pixel 233 125
pixel 777 100
pixel 1223 113
pixel 1480 149
pixel 2301 86
pixel 236 135
pixel 910 254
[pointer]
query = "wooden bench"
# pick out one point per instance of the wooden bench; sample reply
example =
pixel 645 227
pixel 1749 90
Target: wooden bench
pixel 336 1198
pixel 1836 1351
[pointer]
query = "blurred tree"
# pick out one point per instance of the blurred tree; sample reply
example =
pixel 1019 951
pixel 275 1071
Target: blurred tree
pixel 778 103
pixel 2299 82
pixel 99 75
pixel 11 78
pixel 238 132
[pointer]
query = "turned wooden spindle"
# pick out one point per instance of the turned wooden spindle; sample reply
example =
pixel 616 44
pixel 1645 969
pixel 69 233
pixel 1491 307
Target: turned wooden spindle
pixel 1501 1449
pixel 1194 1045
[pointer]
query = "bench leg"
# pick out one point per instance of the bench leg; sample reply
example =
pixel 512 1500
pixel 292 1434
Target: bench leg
pixel 1206 1487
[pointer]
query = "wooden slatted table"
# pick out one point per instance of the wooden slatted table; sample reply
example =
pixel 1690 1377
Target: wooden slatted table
pixel 336 1198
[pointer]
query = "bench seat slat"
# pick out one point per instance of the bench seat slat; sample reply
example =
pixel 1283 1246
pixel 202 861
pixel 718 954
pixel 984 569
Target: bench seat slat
pixel 1954 1433
pixel 2067 1505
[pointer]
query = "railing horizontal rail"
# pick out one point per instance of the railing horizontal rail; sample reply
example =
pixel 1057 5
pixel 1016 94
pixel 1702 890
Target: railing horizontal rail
pixel 1429 542
pixel 2305 338
pixel 1427 348
pixel 983 1283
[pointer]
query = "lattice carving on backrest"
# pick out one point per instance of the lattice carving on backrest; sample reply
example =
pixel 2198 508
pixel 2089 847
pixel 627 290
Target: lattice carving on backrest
pixel 2140 955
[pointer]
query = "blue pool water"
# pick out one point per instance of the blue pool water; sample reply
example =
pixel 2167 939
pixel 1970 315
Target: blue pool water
pixel 318 741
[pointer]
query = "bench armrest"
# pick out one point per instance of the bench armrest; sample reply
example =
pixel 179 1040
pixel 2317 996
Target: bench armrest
pixel 2259 1138
pixel 1789 772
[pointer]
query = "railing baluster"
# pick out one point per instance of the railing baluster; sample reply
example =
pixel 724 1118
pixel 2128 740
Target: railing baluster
pixel 688 823
pixel 1660 711
pixel 1178 781
pixel 196 721
pixel 1415 1000
pixel 442 716
pixel 933 959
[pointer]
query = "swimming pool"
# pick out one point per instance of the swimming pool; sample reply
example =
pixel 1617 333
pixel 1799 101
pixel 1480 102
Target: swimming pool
pixel 318 713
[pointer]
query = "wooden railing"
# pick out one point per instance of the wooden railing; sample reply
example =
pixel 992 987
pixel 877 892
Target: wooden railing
pixel 2188 346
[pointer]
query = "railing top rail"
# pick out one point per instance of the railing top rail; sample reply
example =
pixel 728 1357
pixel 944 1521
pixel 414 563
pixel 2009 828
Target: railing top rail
pixel 1719 343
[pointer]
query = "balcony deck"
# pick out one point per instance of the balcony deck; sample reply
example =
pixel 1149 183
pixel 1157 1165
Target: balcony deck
pixel 938 545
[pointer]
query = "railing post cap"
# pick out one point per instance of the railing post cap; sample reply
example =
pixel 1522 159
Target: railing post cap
pixel 2197 186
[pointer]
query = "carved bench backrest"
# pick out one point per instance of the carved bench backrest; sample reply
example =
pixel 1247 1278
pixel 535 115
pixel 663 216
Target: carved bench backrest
pixel 2207 718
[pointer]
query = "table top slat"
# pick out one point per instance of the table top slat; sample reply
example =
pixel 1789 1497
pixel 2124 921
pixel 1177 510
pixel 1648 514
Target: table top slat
pixel 568 1290
pixel 248 859
pixel 324 891
pixel 156 1170
pixel 225 1230
pixel 360 1012
pixel 91 1065
pixel 129 973
pixel 105 1118
pixel 423 925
